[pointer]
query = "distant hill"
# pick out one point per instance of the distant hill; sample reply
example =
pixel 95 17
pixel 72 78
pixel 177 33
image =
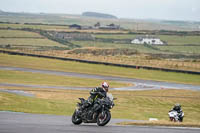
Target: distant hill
pixel 133 24
pixel 98 15
pixel 1 11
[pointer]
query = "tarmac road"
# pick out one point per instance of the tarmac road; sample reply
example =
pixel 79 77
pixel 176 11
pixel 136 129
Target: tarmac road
pixel 12 122
pixel 139 83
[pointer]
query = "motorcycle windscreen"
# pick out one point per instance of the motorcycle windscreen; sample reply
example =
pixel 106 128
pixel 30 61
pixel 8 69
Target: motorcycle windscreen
pixel 110 96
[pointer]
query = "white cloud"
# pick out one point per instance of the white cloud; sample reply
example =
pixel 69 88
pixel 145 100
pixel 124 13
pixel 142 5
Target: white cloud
pixel 194 9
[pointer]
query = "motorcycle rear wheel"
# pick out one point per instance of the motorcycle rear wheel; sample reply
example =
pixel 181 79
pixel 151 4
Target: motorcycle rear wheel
pixel 103 120
pixel 75 119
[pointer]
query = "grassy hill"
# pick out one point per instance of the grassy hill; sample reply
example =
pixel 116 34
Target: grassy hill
pixel 98 15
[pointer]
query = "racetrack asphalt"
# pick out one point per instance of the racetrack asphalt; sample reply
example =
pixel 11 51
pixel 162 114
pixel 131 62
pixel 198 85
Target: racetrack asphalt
pixel 12 122
pixel 139 84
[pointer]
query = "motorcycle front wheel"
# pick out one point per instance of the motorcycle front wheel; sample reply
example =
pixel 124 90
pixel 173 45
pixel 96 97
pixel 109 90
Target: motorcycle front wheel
pixel 75 119
pixel 103 118
pixel 172 119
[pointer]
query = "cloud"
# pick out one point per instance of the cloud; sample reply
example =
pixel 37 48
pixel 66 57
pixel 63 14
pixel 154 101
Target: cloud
pixel 194 9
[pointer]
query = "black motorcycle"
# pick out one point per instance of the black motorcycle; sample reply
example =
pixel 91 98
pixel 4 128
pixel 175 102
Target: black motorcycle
pixel 99 113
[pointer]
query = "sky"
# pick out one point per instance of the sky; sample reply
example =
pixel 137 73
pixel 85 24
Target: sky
pixel 135 9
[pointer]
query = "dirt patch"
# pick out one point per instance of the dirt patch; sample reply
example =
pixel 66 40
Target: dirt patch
pixel 162 123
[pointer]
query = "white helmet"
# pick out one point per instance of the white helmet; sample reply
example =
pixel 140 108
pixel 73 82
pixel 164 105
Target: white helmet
pixel 105 85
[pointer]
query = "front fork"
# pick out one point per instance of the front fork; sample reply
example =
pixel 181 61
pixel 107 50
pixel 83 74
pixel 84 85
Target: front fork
pixel 78 111
pixel 103 111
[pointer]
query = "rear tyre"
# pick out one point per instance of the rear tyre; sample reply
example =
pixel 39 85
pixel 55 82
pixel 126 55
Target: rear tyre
pixel 103 118
pixel 75 119
pixel 181 119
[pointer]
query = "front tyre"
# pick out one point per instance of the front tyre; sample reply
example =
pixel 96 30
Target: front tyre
pixel 75 119
pixel 103 118
pixel 171 118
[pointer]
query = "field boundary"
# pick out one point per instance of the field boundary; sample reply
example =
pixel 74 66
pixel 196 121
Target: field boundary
pixel 103 63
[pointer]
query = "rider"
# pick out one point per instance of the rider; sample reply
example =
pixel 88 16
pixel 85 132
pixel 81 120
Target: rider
pixel 98 92
pixel 177 108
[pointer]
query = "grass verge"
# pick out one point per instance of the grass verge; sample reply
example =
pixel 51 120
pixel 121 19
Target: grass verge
pixel 136 105
pixel 19 77
pixel 162 123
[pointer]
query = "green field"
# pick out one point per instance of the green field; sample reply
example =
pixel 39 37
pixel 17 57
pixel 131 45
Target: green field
pixel 18 33
pixel 181 49
pixel 170 39
pixel 28 42
pixel 175 44
pixel 180 40
pixel 42 27
pixel 67 66
pixel 24 39
pixel 11 102
pixel 184 49
pixel 18 77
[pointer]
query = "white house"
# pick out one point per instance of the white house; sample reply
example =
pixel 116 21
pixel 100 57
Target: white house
pixel 147 40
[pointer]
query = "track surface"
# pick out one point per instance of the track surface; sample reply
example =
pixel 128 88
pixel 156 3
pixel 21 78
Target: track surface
pixel 35 123
pixel 139 83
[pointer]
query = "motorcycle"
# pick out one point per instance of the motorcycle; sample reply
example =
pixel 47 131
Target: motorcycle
pixel 175 116
pixel 100 114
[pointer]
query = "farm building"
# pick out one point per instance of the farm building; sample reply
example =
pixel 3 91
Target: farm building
pixel 110 27
pixel 75 26
pixel 147 40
